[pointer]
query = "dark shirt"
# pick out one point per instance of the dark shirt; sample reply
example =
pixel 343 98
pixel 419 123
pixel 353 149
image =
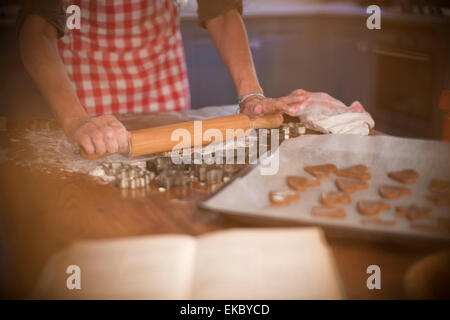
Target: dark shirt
pixel 53 13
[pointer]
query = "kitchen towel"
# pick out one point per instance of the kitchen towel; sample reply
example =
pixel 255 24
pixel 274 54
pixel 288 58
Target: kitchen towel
pixel 321 112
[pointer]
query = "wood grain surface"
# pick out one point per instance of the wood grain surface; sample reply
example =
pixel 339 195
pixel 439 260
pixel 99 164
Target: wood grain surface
pixel 42 212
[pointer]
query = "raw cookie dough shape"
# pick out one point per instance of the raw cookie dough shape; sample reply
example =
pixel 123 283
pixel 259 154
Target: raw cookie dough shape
pixel 350 185
pixel 283 198
pixel 413 212
pixel 372 207
pixel 301 183
pixel 358 171
pixel 393 192
pixel 323 171
pixel 334 198
pixel 408 176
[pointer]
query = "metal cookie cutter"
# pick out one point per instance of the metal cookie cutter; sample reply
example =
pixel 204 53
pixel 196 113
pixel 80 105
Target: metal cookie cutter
pixel 163 163
pixel 148 176
pixel 229 170
pixel 112 168
pixel 214 176
pixel 116 167
pixel 122 175
pixel 285 131
pixel 129 176
pixel 151 165
pixel 202 170
pixel 301 129
pixel 107 168
pixel 166 179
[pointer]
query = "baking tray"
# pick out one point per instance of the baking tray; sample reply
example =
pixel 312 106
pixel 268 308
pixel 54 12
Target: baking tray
pixel 247 195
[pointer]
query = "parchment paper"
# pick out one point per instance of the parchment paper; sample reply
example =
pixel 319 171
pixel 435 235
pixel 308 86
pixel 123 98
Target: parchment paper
pixel 248 195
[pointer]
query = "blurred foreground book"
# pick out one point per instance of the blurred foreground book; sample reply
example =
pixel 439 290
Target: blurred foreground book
pixel 288 263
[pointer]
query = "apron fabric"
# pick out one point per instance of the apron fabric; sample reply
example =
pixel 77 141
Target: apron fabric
pixel 127 57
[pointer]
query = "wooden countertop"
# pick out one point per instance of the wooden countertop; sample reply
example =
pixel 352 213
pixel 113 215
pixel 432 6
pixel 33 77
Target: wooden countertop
pixel 42 211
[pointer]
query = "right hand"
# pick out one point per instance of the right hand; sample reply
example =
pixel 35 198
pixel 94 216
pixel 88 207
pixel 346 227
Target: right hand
pixel 100 135
pixel 257 106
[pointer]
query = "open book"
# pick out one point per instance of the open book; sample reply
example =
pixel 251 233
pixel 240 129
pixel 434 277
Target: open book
pixel 286 263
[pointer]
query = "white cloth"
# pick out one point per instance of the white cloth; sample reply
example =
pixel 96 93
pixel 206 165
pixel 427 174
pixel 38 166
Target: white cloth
pixel 321 112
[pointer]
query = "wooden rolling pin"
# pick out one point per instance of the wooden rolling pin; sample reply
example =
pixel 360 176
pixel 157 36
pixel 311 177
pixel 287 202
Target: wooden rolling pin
pixel 159 139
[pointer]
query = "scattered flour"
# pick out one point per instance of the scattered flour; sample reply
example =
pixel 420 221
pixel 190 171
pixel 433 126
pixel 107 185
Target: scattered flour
pixel 51 150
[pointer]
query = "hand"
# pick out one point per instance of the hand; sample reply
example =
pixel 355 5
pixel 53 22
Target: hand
pixel 100 135
pixel 257 106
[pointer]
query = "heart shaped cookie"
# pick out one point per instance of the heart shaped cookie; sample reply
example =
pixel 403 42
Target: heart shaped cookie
pixel 408 176
pixel 282 198
pixel 413 212
pixel 334 198
pixel 393 192
pixel 301 183
pixel 441 186
pixel 372 207
pixel 350 185
pixel 322 171
pixel 358 171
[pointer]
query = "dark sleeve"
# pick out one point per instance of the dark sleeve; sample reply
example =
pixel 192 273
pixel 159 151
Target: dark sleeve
pixel 50 10
pixel 208 9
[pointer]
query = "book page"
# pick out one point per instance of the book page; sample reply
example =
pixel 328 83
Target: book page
pixel 288 263
pixel 133 268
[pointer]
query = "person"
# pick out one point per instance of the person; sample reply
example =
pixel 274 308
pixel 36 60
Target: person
pixel 125 57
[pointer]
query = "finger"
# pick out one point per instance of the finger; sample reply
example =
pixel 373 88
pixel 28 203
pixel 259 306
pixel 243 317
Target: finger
pixel 293 99
pixel 299 92
pixel 99 135
pixel 121 134
pixel 89 127
pixel 290 109
pixel 86 143
pixel 97 138
pixel 109 138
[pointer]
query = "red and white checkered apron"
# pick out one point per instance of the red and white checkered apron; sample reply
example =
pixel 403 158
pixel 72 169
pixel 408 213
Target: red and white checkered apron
pixel 127 57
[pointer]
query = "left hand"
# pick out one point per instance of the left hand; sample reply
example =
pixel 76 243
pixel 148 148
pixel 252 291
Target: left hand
pixel 256 106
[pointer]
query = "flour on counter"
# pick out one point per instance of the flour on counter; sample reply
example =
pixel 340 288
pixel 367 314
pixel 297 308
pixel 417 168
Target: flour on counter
pixel 51 150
